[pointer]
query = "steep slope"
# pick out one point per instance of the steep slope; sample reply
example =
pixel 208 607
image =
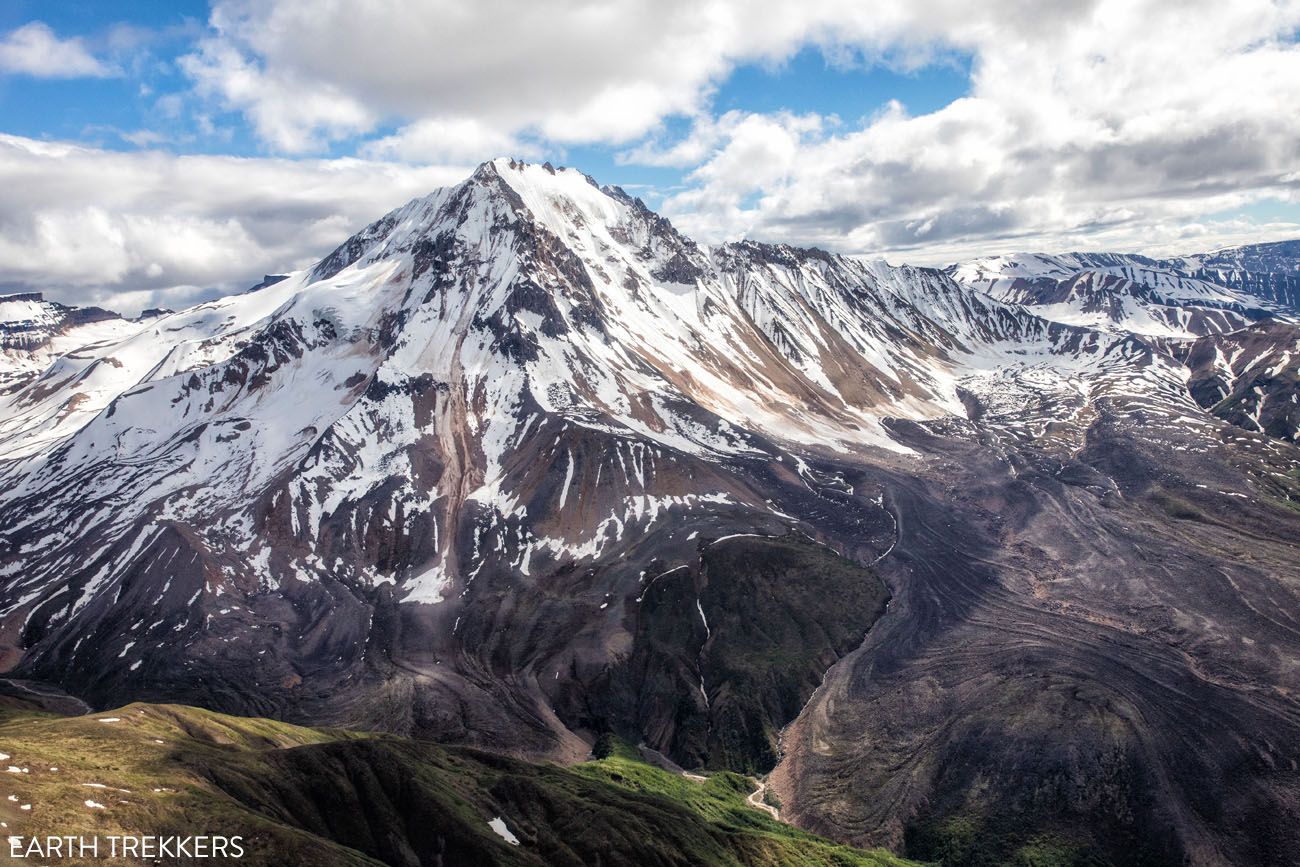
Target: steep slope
pixel 1240 300
pixel 519 376
pixel 1268 271
pixel 1093 639
pixel 1249 377
pixel 34 332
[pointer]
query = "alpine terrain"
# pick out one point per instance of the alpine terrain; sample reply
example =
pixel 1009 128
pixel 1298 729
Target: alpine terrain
pixel 982 565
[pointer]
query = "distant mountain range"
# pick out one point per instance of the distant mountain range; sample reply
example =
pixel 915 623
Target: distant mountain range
pixel 1004 552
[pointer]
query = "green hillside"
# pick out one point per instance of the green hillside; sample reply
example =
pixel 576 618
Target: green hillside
pixel 304 796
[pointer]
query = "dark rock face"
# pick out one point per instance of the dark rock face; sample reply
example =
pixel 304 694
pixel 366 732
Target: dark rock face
pixel 751 626
pixel 1249 377
pixel 678 269
pixel 1268 271
pixel 267 280
pixel 32 333
pixel 352 249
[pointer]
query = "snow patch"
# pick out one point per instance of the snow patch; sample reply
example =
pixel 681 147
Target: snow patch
pixel 498 826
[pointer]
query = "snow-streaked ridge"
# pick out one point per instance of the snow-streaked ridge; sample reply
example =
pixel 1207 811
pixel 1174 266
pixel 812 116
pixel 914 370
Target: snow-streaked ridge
pixel 393 385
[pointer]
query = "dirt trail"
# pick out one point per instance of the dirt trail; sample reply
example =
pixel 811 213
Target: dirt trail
pixel 49 697
pixel 755 800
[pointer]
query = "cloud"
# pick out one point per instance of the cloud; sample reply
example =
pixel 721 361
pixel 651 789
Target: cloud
pixel 289 111
pixel 443 140
pixel 306 72
pixel 35 50
pixel 708 134
pixel 1084 116
pixel 1125 129
pixel 309 72
pixel 142 229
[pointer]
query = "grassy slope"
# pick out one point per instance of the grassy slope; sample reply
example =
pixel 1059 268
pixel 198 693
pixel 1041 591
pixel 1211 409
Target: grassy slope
pixel 305 796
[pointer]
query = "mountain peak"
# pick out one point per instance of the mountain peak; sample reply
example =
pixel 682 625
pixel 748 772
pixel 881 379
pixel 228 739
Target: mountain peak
pixel 504 194
pixel 556 196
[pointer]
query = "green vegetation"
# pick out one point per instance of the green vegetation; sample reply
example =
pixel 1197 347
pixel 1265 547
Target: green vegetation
pixel 1048 852
pixel 303 796
pixel 784 610
pixel 1282 503
pixel 1176 507
pixel 732 831
pixel 770 798
pixel 780 611
pixel 141 764
pixel 965 841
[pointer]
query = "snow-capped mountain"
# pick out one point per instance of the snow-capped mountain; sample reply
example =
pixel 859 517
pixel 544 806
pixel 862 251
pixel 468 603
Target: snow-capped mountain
pixel 1230 315
pixel 34 332
pixel 412 366
pixel 507 466
pixel 1118 293
pixel 1269 271
pixel 1249 377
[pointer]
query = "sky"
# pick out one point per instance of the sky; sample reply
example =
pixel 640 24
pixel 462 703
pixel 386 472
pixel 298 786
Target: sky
pixel 158 153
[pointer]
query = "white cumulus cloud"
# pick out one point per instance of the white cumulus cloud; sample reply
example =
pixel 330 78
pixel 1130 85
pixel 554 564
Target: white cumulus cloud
pixel 1128 129
pixel 142 229
pixel 34 49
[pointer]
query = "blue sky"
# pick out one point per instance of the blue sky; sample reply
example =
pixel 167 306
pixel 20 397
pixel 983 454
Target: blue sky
pixel 164 151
